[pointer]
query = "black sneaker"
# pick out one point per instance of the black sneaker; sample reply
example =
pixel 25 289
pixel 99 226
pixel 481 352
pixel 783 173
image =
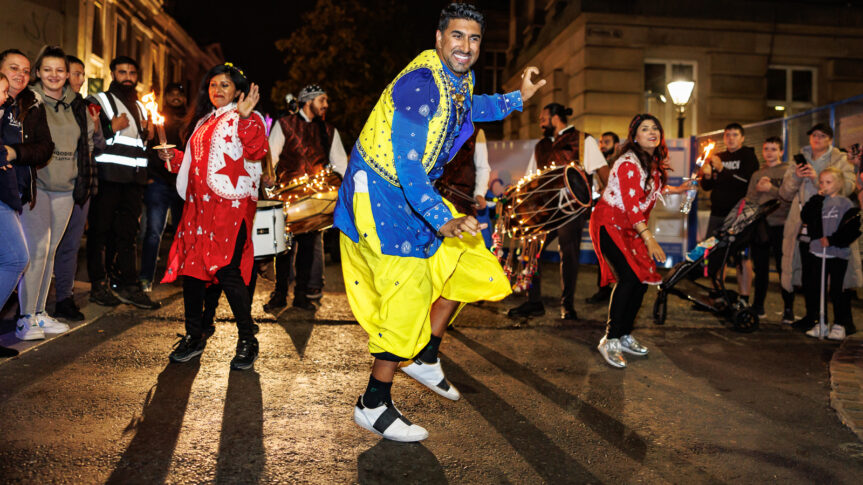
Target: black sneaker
pixel 788 316
pixel 133 295
pixel 601 295
pixel 277 300
pixel 304 303
pixel 7 352
pixel 527 309
pixel 68 310
pixel 803 324
pixel 187 348
pixel 100 294
pixel 247 354
pixel 314 294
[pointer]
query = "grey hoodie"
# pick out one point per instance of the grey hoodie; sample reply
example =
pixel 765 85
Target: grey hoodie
pixel 62 169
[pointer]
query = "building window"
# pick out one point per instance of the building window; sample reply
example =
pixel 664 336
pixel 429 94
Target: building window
pixel 121 35
pixel 657 101
pixel 790 89
pixel 97 44
pixel 490 74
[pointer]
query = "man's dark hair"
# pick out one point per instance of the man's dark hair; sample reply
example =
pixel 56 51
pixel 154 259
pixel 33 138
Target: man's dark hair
pixel 776 140
pixel 8 52
pixel 73 60
pixel 124 60
pixel 460 11
pixel 559 110
pixel 613 136
pixel 735 126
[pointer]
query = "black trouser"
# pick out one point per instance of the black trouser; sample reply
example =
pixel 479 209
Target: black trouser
pixel 761 252
pixel 834 277
pixel 307 256
pixel 569 243
pixel 628 292
pixel 214 292
pixel 231 282
pixel 114 219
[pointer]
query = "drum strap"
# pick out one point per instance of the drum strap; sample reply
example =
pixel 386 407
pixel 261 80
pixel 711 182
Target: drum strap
pixel 580 160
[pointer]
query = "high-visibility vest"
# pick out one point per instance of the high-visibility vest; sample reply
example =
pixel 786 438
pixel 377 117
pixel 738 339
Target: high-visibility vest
pixel 127 146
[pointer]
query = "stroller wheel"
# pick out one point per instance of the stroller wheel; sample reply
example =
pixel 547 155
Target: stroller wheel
pixel 660 309
pixel 745 321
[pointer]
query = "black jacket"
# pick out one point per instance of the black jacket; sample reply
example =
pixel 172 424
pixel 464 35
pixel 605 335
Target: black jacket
pixel 86 183
pixel 847 232
pixel 36 148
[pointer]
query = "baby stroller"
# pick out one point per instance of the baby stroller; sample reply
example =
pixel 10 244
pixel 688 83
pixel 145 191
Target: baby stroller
pixel 731 238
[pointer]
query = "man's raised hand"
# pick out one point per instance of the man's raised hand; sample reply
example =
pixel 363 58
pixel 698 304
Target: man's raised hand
pixel 528 87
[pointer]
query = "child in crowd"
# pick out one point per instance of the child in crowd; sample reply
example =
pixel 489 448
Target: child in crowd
pixel 767 238
pixel 832 224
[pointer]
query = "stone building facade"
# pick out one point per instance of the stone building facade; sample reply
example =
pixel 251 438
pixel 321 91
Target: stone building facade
pixel 96 31
pixel 750 60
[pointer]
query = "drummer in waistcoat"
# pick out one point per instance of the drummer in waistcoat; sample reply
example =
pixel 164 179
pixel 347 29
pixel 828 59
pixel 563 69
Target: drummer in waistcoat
pixel 305 145
pixel 115 211
pixel 561 144
pixel 465 178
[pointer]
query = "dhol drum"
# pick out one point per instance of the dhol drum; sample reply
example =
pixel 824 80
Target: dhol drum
pixel 529 210
pixel 269 237
pixel 543 202
pixel 310 201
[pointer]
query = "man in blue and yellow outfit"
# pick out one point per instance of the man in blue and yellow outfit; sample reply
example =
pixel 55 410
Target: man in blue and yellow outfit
pixel 410 261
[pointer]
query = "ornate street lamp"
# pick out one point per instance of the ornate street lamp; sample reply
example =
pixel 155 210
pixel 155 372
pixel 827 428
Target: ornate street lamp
pixel 680 92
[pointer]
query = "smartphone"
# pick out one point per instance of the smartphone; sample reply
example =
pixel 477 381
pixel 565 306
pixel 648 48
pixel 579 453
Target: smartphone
pixel 799 159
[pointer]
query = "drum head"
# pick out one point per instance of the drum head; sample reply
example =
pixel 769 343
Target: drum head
pixel 270 204
pixel 577 184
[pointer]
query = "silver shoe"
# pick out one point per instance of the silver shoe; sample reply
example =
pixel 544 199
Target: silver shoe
pixel 630 345
pixel 610 349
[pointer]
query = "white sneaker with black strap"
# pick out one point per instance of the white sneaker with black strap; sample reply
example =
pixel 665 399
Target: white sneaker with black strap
pixel 385 420
pixel 431 376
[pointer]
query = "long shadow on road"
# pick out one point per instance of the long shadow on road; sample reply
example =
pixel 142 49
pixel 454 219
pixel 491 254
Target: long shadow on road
pixel 547 459
pixel 241 446
pixel 148 457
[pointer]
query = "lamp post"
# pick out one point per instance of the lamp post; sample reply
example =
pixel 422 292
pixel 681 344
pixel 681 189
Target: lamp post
pixel 680 92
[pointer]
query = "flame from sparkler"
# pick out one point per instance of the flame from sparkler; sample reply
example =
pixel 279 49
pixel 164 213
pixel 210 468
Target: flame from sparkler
pixel 152 107
pixel 704 154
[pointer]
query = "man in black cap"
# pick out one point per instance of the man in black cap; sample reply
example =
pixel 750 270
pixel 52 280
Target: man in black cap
pixel 161 193
pixel 305 144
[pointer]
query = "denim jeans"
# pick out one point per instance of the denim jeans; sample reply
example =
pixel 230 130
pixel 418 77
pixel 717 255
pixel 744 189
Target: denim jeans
pixel 66 258
pixel 14 256
pixel 159 197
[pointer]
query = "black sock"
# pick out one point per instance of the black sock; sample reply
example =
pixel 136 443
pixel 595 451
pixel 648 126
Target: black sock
pixel 377 392
pixel 429 353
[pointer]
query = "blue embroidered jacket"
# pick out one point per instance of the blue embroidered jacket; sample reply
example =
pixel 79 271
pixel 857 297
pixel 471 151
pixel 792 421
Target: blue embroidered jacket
pixel 408 217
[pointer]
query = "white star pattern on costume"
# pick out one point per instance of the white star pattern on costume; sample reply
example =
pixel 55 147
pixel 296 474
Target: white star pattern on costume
pixel 200 230
pixel 235 203
pixel 206 197
pixel 632 192
pixel 630 174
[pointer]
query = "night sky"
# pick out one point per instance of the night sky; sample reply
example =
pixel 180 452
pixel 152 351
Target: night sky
pixel 248 30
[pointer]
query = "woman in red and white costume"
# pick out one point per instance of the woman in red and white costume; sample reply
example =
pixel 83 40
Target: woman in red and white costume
pixel 618 228
pixel 218 177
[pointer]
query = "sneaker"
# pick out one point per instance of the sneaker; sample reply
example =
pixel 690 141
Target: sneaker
pixel 819 330
pixel 100 294
pixel 837 332
pixel 187 348
pixel 758 311
pixel 803 324
pixel 527 309
pixel 146 286
pixel 277 300
pixel 68 310
pixel 314 295
pixel 385 420
pixel 27 328
pixel 431 376
pixel 629 345
pixel 50 325
pixel 304 303
pixel 611 351
pixel 133 295
pixel 247 354
pixel 788 316
pixel 600 296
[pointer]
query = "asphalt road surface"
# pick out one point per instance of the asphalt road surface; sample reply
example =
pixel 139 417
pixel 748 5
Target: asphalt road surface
pixel 708 405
